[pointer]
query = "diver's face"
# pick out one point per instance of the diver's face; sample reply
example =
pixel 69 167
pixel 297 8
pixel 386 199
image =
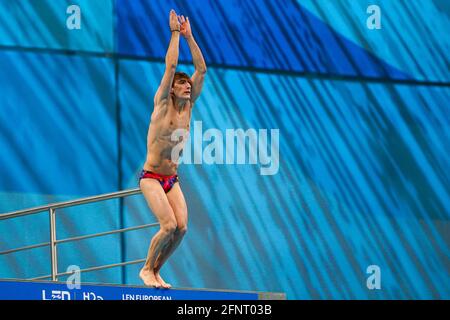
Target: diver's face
pixel 182 89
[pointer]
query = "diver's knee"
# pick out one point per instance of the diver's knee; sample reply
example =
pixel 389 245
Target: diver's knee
pixel 182 229
pixel 169 227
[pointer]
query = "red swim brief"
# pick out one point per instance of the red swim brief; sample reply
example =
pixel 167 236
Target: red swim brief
pixel 166 182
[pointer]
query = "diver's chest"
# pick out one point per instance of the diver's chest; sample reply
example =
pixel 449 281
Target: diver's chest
pixel 177 120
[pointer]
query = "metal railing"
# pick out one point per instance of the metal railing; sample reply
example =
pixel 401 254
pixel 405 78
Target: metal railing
pixel 51 208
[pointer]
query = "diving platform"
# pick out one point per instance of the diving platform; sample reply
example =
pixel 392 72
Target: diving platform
pixel 50 290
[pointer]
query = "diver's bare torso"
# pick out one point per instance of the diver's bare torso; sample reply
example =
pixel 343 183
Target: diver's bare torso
pixel 165 119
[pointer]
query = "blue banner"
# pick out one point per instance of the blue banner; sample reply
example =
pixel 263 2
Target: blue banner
pixel 14 290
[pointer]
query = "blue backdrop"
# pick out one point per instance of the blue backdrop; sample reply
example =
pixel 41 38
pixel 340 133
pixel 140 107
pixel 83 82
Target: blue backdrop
pixel 363 120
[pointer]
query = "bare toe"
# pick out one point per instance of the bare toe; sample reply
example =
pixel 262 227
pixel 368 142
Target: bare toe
pixel 163 284
pixel 149 279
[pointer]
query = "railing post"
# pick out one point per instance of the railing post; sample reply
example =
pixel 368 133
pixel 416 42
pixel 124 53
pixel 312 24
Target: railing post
pixel 53 253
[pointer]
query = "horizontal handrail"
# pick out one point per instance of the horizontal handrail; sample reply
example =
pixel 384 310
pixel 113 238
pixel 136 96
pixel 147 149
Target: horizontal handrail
pixel 94 235
pixel 34 246
pixel 70 203
pixel 105 266
pixel 100 234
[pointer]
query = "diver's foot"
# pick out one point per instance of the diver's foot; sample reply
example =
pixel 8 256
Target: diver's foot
pixel 149 278
pixel 163 284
